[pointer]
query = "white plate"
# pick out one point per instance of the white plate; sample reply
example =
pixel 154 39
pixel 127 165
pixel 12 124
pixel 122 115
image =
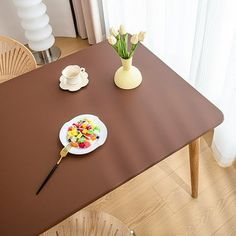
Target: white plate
pixel 95 144
pixel 74 87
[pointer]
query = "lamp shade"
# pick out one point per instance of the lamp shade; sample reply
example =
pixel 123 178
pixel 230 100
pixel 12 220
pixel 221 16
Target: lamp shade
pixel 35 22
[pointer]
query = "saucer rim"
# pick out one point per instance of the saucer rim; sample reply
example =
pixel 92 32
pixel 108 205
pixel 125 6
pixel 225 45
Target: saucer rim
pixel 72 88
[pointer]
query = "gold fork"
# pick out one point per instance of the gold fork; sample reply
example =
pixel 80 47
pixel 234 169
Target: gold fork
pixel 63 153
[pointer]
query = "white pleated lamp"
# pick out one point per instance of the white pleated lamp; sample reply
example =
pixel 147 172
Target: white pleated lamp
pixel 38 31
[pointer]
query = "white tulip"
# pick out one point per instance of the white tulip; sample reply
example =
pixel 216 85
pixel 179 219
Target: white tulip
pixel 141 36
pixel 112 40
pixel 134 39
pixel 113 31
pixel 122 30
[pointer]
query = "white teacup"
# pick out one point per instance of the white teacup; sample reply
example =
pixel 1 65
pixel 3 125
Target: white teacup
pixel 72 74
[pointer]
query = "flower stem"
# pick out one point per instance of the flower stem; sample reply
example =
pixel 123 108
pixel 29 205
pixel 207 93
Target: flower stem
pixel 133 48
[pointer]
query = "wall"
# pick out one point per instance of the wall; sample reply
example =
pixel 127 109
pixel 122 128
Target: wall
pixel 59 12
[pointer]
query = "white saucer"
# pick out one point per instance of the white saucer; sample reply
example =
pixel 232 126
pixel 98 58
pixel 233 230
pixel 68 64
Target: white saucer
pixel 74 87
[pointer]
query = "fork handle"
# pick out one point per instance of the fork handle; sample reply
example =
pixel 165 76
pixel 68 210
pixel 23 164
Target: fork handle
pixel 48 177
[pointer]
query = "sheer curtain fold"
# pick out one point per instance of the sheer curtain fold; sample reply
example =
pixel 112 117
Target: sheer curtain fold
pixel 215 73
pixel 197 39
pixel 89 20
pixel 224 145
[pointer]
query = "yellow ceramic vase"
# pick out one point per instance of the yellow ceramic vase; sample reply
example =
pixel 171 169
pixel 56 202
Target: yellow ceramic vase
pixel 127 76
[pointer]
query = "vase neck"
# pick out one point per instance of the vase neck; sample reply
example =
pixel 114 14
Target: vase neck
pixel 126 63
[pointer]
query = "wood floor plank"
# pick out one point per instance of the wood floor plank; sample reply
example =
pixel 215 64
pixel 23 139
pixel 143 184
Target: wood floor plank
pixel 70 45
pixel 205 216
pixel 228 228
pixel 214 209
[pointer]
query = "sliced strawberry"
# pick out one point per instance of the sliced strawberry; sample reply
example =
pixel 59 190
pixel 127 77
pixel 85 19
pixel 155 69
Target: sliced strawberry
pixel 89 127
pixel 82 145
pixel 87 144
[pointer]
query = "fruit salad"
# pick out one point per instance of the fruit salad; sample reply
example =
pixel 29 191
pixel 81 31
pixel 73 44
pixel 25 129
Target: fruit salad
pixel 83 133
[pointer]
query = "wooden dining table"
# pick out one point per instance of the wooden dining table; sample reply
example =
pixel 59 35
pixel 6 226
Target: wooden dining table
pixel 145 125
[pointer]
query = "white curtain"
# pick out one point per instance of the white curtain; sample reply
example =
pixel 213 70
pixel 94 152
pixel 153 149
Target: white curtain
pixel 89 19
pixel 197 39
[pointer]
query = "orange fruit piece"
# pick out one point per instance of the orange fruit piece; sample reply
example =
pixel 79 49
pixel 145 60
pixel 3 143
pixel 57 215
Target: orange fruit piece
pixel 74 144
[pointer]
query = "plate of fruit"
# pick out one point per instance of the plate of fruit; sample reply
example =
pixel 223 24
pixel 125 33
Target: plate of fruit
pixel 85 133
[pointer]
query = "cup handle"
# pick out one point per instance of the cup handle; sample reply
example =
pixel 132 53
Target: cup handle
pixel 82 69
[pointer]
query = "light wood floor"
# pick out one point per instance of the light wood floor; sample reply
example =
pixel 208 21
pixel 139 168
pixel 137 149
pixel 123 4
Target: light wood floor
pixel 70 45
pixel 158 202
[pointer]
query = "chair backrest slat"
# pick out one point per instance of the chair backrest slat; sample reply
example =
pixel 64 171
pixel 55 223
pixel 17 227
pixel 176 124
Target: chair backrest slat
pixel 15 59
pixel 90 223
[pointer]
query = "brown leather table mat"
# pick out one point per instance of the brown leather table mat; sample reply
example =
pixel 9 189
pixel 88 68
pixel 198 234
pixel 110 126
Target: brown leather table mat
pixel 145 125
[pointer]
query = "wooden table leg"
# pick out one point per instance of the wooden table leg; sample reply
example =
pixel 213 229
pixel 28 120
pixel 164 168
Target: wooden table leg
pixel 194 165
